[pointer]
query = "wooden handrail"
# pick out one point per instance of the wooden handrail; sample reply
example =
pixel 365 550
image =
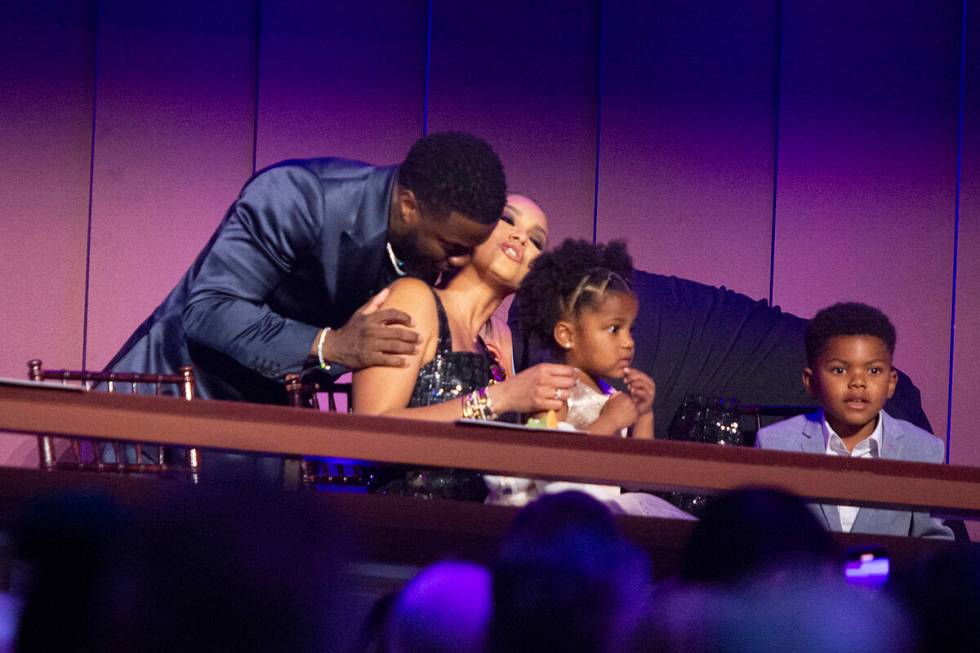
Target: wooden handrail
pixel 946 489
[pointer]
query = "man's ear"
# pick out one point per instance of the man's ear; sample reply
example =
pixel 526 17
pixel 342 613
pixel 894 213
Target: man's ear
pixel 564 335
pixel 408 206
pixel 808 380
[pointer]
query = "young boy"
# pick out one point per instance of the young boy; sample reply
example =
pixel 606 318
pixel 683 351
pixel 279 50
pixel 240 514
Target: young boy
pixel 849 371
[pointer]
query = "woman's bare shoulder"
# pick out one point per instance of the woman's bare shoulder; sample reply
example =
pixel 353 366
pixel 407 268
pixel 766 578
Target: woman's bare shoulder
pixel 410 284
pixel 414 297
pixel 408 290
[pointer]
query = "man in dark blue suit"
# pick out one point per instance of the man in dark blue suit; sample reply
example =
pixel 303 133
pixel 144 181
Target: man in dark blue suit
pixel 287 279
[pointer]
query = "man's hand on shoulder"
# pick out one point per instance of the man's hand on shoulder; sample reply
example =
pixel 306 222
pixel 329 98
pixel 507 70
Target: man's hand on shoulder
pixel 374 336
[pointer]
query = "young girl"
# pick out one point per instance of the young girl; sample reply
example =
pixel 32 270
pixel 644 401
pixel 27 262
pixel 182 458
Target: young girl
pixel 576 307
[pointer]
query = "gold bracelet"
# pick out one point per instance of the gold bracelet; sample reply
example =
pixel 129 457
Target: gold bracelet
pixel 477 405
pixel 471 406
pixel 486 405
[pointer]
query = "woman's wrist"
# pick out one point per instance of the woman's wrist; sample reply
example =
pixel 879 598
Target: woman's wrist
pixel 498 398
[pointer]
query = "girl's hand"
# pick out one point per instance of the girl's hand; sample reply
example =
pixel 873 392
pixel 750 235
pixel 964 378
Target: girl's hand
pixel 537 389
pixel 618 413
pixel 641 388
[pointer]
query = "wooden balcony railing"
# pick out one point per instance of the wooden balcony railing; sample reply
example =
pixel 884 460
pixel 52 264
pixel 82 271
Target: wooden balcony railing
pixel 947 490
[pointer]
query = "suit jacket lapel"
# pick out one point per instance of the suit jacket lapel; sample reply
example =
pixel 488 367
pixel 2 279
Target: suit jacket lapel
pixel 813 434
pixel 892 446
pixel 832 515
pixel 867 520
pixel 361 253
pixel 813 442
pixel 892 438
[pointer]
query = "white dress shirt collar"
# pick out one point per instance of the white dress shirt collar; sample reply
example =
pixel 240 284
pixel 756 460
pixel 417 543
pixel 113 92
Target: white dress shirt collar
pixel 870 447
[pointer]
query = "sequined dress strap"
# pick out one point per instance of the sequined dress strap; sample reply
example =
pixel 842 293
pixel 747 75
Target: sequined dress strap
pixel 445 345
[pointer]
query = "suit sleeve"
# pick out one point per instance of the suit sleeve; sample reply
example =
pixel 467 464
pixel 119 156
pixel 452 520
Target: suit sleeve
pixel 276 220
pixel 774 438
pixel 923 525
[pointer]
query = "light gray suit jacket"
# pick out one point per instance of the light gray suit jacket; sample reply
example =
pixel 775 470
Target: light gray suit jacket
pixel 900 440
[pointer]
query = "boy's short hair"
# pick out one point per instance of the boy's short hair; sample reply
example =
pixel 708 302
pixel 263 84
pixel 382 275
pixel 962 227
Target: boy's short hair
pixel 847 319
pixel 453 171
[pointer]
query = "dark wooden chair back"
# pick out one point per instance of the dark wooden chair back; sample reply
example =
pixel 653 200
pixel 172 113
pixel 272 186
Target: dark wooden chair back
pixel 306 392
pixel 113 456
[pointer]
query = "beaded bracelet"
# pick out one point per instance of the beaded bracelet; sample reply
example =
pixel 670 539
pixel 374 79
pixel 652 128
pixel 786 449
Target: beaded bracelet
pixel 487 404
pixel 477 405
pixel 324 364
pixel 469 406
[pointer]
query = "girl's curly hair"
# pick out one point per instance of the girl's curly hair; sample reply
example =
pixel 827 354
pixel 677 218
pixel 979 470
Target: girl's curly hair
pixel 562 282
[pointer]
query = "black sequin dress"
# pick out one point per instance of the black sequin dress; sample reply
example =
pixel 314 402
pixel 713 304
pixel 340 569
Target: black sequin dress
pixel 449 375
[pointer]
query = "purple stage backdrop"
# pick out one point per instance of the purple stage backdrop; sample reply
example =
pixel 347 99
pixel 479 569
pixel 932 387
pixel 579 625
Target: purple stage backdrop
pixel 801 152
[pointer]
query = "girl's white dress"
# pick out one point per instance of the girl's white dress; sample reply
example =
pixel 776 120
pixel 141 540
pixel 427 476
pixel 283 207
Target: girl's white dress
pixel 584 407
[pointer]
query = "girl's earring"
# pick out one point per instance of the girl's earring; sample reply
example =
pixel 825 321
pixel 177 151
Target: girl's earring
pixel 566 345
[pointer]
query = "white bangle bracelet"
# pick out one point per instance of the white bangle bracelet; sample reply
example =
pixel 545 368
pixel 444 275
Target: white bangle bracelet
pixel 324 365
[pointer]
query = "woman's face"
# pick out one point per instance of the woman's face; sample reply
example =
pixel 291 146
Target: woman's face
pixel 519 237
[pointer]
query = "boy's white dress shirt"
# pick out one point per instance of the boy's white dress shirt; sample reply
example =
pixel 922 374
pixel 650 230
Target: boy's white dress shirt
pixel 870 447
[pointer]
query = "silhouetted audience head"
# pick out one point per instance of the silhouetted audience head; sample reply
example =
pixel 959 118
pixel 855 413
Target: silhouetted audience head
pixel 372 633
pixel 944 595
pixel 748 531
pixel 555 515
pixel 63 545
pixel 202 570
pixel 231 570
pixel 566 581
pixel 794 614
pixel 444 609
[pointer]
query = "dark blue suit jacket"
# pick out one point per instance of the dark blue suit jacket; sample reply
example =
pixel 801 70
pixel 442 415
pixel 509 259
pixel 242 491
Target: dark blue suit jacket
pixel 302 248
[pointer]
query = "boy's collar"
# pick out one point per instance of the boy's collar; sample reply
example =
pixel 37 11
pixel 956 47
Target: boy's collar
pixel 877 435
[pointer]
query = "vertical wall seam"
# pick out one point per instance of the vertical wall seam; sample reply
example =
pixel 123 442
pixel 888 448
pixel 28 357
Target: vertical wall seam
pixel 600 50
pixel 91 181
pixel 428 67
pixel 257 64
pixel 777 105
pixel 960 127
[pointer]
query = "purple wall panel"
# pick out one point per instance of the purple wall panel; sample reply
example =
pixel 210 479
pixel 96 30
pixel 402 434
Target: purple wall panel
pixel 523 76
pixel 340 79
pixel 173 147
pixel 964 435
pixel 45 142
pixel 866 176
pixel 686 148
